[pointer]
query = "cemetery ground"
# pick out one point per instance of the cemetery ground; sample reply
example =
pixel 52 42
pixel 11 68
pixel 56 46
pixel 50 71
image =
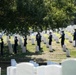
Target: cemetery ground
pixel 41 57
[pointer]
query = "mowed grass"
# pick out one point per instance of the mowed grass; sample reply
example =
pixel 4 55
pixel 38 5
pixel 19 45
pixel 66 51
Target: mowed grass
pixel 58 55
pixel 41 57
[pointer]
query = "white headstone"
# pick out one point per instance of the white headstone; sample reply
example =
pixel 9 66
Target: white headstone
pixel 20 42
pixel 54 36
pixel 42 37
pixel 47 44
pixel 70 39
pixel 25 69
pixel 41 70
pixel 57 40
pixel 29 37
pixel 10 47
pixel 67 53
pixel 44 40
pixel 22 45
pixel 66 36
pixel 74 26
pixel 7 38
pixel 50 48
pixel 48 31
pixel 53 70
pixel 43 32
pixel 23 49
pixel 51 63
pixel 69 67
pixel 60 32
pixel 13 62
pixel 37 48
pixel 33 41
pixel 73 43
pixel 34 63
pixel 8 70
pixel 64 48
pixel 56 30
pixel 13 71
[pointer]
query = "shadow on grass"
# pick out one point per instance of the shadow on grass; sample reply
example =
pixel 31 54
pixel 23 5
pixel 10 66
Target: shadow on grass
pixel 19 56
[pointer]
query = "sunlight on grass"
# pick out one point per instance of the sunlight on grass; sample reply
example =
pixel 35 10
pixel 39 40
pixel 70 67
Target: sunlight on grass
pixel 56 56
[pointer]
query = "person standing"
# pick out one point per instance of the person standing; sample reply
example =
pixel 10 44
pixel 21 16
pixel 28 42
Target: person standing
pixel 15 45
pixel 50 38
pixel 2 46
pixel 38 39
pixel 74 37
pixel 62 38
pixel 25 41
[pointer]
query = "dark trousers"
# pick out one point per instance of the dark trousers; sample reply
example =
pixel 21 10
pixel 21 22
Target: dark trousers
pixel 50 42
pixel 15 49
pixel 39 44
pixel 25 45
pixel 1 50
pixel 62 43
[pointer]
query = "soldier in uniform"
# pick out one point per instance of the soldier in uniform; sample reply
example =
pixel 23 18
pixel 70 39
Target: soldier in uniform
pixel 15 45
pixel 38 39
pixel 2 46
pixel 74 37
pixel 25 41
pixel 62 38
pixel 50 38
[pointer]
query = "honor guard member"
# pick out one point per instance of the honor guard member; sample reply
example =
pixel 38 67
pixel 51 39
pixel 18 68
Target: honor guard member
pixel 38 39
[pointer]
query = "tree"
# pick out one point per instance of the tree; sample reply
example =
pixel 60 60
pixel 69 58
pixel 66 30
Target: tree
pixel 17 16
pixel 60 12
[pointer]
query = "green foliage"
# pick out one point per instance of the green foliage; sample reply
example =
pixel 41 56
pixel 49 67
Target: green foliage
pixel 60 12
pixel 18 15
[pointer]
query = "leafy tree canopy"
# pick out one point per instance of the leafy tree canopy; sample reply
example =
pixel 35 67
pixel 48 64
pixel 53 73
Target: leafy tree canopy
pixel 20 15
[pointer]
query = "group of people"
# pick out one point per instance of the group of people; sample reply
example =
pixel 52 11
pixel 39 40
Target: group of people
pixel 38 39
pixel 63 38
pixel 15 45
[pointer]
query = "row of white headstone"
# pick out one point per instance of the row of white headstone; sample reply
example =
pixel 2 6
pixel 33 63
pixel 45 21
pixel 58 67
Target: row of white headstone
pixel 22 46
pixel 33 42
pixel 44 39
pixel 14 63
pixel 67 67
pixel 37 48
pixel 66 50
pixel 11 48
pixel 49 46
pixel 55 37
